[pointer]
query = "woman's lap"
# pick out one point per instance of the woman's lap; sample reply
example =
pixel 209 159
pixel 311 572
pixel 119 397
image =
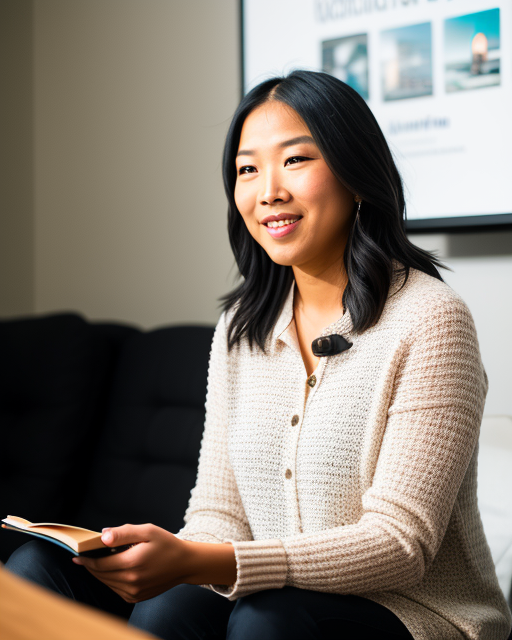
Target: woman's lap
pixel 51 567
pixel 192 612
pixel 298 613
pixel 184 612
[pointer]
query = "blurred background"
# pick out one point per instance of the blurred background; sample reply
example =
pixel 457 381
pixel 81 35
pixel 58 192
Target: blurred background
pixel 113 116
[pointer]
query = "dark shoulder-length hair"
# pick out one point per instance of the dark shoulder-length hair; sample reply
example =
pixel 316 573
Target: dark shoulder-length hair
pixel 353 145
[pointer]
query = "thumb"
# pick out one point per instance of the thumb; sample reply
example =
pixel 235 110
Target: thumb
pixel 127 534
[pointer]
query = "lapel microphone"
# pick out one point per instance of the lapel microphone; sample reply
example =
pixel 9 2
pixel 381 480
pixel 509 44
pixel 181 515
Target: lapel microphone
pixel 330 345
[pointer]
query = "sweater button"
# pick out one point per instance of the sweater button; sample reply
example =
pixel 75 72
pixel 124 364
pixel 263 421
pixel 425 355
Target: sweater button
pixel 312 381
pixel 288 474
pixel 295 420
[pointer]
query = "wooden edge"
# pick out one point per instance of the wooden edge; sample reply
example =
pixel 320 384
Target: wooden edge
pixel 29 612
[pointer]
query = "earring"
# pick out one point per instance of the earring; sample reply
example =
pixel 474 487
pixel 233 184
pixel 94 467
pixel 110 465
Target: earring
pixel 358 199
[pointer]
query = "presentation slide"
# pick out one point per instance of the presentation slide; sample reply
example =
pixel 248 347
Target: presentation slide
pixel 437 75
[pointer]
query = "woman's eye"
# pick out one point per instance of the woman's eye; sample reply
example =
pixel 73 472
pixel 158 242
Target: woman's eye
pixel 295 160
pixel 246 169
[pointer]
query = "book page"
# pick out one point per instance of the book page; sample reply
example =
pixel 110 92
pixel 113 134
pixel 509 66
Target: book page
pixel 76 538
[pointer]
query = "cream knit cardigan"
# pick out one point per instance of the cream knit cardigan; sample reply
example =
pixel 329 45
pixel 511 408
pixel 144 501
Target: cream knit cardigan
pixel 360 479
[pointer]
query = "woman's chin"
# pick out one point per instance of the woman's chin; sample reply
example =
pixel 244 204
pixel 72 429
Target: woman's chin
pixel 284 256
pixel 283 261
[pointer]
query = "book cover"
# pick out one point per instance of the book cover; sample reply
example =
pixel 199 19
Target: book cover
pixel 80 542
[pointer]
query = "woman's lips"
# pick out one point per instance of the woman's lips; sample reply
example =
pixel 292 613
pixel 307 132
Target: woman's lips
pixel 279 232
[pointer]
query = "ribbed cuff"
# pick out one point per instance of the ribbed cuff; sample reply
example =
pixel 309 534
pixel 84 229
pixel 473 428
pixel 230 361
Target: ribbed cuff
pixel 260 564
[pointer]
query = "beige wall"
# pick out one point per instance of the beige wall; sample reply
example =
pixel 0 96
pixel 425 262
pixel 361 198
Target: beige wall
pixel 132 101
pixel 16 158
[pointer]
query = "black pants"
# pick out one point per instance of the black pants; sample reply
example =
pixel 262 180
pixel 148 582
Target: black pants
pixel 193 612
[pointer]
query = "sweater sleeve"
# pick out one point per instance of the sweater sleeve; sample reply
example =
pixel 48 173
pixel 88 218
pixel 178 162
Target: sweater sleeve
pixel 215 512
pixel 432 429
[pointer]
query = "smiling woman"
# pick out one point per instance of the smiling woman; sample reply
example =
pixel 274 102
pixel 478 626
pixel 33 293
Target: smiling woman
pixel 336 488
pixel 351 474
pixel 341 158
pixel 293 206
pixel 285 189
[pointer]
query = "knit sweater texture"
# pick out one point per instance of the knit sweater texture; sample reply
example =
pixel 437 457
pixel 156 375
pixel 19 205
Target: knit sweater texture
pixel 361 478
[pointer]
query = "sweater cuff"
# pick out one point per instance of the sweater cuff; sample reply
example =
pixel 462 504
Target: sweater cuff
pixel 260 565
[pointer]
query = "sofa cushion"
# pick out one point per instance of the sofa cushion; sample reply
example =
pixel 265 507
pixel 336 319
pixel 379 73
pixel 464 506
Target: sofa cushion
pixel 147 459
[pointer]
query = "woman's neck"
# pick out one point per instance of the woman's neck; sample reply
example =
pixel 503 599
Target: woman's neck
pixel 317 303
pixel 318 296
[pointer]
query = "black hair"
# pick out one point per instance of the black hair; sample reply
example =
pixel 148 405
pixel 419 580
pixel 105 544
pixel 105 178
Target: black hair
pixel 353 146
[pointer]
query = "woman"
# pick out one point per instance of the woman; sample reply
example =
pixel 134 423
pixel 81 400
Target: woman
pixel 336 491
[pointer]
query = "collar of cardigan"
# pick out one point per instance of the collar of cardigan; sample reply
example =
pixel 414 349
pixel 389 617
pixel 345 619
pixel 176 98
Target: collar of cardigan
pixel 284 329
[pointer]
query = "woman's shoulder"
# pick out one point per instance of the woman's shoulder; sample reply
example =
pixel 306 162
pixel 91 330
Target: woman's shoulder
pixel 436 330
pixel 424 286
pixel 425 300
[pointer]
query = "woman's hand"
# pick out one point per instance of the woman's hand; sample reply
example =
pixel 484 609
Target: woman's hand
pixel 157 561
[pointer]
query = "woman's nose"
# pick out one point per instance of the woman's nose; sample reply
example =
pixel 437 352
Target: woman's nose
pixel 273 191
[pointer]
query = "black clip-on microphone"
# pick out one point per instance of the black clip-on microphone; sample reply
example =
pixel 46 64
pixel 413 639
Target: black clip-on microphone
pixel 330 345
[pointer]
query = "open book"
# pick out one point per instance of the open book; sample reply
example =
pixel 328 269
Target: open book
pixel 81 542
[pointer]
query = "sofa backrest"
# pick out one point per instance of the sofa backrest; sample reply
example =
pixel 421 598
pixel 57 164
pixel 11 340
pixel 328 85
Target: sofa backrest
pixel 146 460
pixel 55 377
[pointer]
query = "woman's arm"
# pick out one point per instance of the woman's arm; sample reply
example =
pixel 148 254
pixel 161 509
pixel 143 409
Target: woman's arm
pixel 158 561
pixel 430 437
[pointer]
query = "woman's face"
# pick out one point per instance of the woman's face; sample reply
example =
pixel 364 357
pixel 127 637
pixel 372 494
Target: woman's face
pixel 281 174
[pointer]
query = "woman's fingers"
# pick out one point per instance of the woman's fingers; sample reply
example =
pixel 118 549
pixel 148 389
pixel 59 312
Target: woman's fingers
pixel 113 563
pixel 118 579
pixel 124 583
pixel 155 563
pixel 129 586
pixel 127 534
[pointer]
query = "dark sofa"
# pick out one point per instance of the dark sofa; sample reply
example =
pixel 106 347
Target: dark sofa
pixel 101 423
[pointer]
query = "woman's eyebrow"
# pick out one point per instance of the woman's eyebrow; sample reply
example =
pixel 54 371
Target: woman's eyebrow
pixel 281 145
pixel 298 140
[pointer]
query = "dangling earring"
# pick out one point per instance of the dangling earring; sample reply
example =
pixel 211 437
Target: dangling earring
pixel 358 199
